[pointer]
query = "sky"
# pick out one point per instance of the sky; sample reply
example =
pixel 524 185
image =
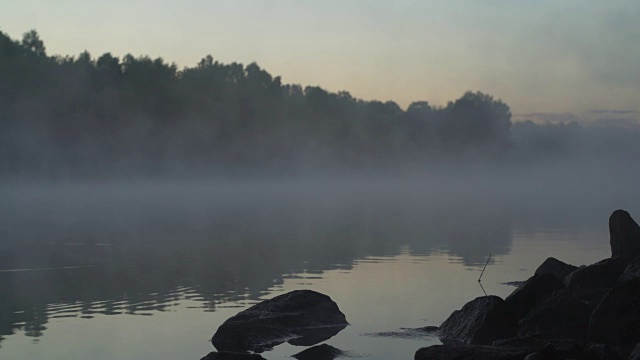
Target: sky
pixel 543 56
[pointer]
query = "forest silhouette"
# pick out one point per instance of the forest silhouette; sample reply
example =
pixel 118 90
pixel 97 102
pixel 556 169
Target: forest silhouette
pixel 84 116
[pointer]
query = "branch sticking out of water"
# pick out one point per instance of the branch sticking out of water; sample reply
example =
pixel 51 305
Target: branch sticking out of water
pixel 483 269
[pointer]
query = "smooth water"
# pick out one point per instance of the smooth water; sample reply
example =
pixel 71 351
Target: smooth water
pixel 149 271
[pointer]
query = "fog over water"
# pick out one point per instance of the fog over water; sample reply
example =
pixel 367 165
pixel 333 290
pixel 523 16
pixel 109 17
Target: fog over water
pixel 85 249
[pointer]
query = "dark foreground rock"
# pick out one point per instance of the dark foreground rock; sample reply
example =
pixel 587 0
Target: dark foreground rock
pixel 552 348
pixel 616 321
pixel 232 356
pixel 301 317
pixel 603 274
pixel 320 352
pixel 631 271
pixel 558 316
pixel 525 297
pixel 624 234
pixel 470 352
pixel 556 268
pixel 480 321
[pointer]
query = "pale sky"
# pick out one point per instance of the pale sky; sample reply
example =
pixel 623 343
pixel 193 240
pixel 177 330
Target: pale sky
pixel 538 56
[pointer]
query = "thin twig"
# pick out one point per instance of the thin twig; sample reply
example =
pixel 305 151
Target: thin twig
pixel 482 287
pixel 485 266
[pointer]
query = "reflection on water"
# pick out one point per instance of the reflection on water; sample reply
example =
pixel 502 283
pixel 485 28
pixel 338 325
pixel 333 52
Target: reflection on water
pixel 88 257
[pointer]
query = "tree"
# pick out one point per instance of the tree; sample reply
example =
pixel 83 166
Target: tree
pixel 31 41
pixel 476 121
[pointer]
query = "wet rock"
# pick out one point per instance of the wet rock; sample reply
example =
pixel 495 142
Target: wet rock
pixel 624 234
pixel 470 352
pixel 320 352
pixel 525 297
pixel 616 321
pixel 603 274
pixel 631 271
pixel 556 268
pixel 481 321
pixel 301 317
pixel 558 316
pixel 232 356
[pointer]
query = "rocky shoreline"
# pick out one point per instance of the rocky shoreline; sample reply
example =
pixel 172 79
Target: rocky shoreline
pixel 563 311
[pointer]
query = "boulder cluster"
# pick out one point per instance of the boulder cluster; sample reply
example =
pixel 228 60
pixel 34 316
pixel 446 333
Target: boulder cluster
pixel 561 312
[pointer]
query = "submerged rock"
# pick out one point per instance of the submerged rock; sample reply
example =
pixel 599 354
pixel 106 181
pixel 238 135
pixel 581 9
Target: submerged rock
pixel 624 234
pixel 525 297
pixel 470 352
pixel 232 356
pixel 408 333
pixel 320 352
pixel 301 317
pixel 558 316
pixel 616 321
pixel 556 268
pixel 480 321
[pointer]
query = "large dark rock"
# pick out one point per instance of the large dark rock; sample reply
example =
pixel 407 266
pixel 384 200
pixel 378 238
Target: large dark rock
pixel 603 274
pixel 480 321
pixel 525 297
pixel 616 321
pixel 470 352
pixel 558 316
pixel 556 268
pixel 624 234
pixel 631 271
pixel 301 317
pixel 320 352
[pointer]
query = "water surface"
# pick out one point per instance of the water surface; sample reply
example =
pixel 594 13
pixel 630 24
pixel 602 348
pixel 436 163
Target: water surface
pixel 151 270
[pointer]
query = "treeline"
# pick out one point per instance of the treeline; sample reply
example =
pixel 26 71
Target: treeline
pixel 75 116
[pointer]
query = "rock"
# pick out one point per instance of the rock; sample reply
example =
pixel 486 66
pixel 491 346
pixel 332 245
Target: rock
pixel 616 321
pixel 603 274
pixel 556 268
pixel 480 321
pixel 558 316
pixel 525 297
pixel 535 356
pixel 631 271
pixel 301 317
pixel 232 356
pixel 590 297
pixel 408 333
pixel 635 354
pixel 624 234
pixel 600 352
pixel 470 352
pixel 320 352
pixel 553 348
